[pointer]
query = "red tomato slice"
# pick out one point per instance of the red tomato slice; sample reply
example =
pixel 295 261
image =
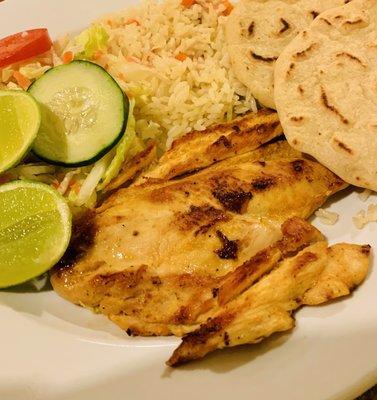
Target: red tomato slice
pixel 24 45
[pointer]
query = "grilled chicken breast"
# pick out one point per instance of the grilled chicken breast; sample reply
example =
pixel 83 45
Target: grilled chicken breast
pixel 151 255
pixel 186 244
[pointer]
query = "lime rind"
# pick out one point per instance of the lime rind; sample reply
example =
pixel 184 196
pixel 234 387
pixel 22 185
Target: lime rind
pixel 31 241
pixel 25 106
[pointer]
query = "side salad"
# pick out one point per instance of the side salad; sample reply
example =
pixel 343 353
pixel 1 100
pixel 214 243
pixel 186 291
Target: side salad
pixel 99 126
pixel 66 131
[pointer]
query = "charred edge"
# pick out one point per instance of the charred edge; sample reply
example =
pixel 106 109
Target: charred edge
pixel 212 327
pixel 261 58
pixel 343 146
pixel 229 248
pixel 262 129
pixel 83 234
pixel 326 103
pixel 222 141
pixel 285 27
pixel 250 29
pixel 352 57
pixel 365 249
pixel 314 14
pixel 235 200
pixel 264 183
pixel 215 292
pixel 185 174
pixel 303 53
pixel 302 260
pixel 236 129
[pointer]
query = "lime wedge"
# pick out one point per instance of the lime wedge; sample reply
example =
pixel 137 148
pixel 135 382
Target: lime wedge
pixel 20 119
pixel 35 229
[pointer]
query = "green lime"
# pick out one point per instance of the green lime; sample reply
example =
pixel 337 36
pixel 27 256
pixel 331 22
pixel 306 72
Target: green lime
pixel 35 229
pixel 20 119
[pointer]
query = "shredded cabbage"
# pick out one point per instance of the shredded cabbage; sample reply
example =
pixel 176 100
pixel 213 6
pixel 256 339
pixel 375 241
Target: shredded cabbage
pixel 93 39
pixel 121 150
pixel 34 70
pixel 90 183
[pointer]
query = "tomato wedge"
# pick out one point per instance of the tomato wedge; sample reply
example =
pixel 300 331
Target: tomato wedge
pixel 24 45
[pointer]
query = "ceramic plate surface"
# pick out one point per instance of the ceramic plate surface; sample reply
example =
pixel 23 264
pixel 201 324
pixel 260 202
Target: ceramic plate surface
pixel 51 349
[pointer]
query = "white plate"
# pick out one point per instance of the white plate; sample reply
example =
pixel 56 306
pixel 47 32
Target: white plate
pixel 51 349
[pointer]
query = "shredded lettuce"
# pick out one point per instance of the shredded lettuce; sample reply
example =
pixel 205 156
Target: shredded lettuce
pixel 121 150
pixel 34 70
pixel 93 39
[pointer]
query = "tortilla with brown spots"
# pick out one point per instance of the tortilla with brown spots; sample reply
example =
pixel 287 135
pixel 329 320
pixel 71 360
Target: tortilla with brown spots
pixel 325 91
pixel 258 30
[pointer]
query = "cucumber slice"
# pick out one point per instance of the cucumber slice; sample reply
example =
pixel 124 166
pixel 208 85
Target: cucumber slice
pixel 84 114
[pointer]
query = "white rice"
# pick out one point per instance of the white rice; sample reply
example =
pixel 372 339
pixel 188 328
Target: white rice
pixel 327 217
pixel 363 217
pixel 174 97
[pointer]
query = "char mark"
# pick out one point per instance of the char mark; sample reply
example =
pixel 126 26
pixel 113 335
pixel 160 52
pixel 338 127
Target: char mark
pixel 285 27
pixel 233 200
pixel 343 146
pixel 352 57
pixel 327 104
pixel 250 29
pixel 222 141
pixel 262 58
pixel 229 248
pixel 263 183
pixel 314 14
pixel 303 53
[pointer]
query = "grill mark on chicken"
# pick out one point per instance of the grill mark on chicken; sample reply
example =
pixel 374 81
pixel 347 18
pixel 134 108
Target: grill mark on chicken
pixel 264 128
pixel 333 109
pixel 222 141
pixel 263 183
pixel 232 200
pixel 123 279
pixel 285 27
pixel 262 58
pixel 203 217
pixel 229 248
pixel 302 260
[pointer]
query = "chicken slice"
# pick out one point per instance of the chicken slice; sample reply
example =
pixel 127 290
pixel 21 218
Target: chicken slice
pixel 200 149
pixel 315 275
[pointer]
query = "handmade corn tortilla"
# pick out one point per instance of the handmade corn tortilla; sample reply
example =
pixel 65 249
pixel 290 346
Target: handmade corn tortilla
pixel 325 91
pixel 258 30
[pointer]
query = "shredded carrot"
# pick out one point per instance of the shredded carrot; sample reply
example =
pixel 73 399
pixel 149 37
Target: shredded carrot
pixel 68 56
pixel 97 54
pixel 188 3
pixel 228 7
pixel 76 187
pixel 133 21
pixel 132 59
pixel 181 56
pixel 21 80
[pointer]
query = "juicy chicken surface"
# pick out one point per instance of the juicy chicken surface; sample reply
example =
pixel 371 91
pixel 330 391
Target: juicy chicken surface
pixel 165 256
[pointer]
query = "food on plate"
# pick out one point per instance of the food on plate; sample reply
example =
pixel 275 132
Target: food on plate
pixel 364 217
pixel 20 120
pixel 24 45
pixel 324 91
pixel 35 229
pixel 327 217
pixel 197 150
pixel 84 114
pixel 256 33
pixel 312 276
pixel 151 255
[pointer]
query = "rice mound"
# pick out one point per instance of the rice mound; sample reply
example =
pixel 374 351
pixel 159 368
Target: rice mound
pixel 173 60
